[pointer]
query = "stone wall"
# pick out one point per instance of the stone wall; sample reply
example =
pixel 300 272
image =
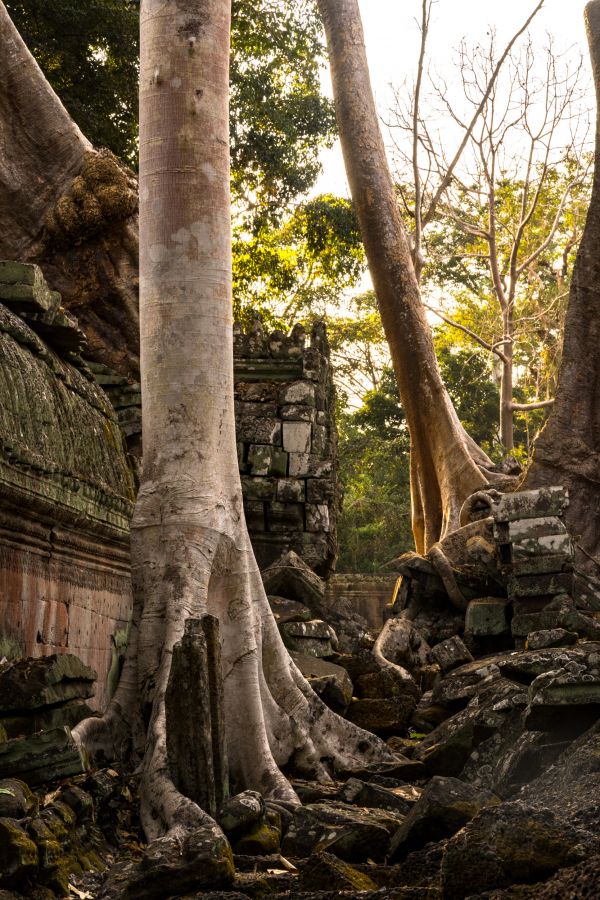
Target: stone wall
pixel 366 595
pixel 66 489
pixel 287 440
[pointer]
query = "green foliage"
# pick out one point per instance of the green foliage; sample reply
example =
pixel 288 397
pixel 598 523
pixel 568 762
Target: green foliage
pixel 301 268
pixel 375 525
pixel 89 54
pixel 280 120
pixel 468 379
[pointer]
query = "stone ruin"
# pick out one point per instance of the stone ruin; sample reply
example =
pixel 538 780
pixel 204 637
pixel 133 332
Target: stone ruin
pixel 70 443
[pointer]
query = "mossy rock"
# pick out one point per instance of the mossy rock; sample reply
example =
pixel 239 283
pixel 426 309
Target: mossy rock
pixel 16 800
pixel 325 872
pixel 18 855
pixel 262 840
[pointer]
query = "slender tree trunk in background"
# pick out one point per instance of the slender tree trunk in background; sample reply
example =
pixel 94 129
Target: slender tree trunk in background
pixel 191 553
pixel 67 207
pixel 446 465
pixel 568 449
pixel 507 386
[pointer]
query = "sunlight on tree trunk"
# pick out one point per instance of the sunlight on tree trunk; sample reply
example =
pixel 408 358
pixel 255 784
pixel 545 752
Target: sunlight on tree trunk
pixel 191 553
pixel 568 449
pixel 446 465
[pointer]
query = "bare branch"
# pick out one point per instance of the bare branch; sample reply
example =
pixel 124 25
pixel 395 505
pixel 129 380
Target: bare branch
pixel 491 348
pixel 446 181
pixel 526 407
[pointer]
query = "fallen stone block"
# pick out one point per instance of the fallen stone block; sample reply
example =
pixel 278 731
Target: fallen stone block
pixel 241 813
pixel 290 577
pixel 509 844
pixel 16 800
pixel 28 684
pixel 326 872
pixel 289 610
pixel 553 637
pixel 349 833
pixel 374 796
pixel 382 717
pixel 445 806
pixel 451 654
pixel 332 683
pixel 42 758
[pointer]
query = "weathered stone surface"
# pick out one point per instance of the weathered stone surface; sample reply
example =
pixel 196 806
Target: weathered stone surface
pixel 317 517
pixel 445 806
pixel 325 872
pixel 194 707
pixel 288 610
pixel 297 437
pixel 299 392
pixel 551 501
pixel 349 833
pixel 241 812
pixel 382 717
pixel 262 839
pixel 374 796
pixel 259 430
pixel 332 683
pixel 285 517
pixel 487 617
pixel 42 757
pixel 172 866
pixel 16 800
pixel 290 577
pixel 291 490
pixel 28 684
pixel 508 844
pixel 554 637
pixel 259 460
pixel 45 719
pixel 450 654
pixel 18 854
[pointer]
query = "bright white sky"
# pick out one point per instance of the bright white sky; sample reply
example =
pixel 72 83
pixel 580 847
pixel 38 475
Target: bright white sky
pixel 392 38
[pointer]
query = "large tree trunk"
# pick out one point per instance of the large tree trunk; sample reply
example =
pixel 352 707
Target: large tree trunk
pixel 191 552
pixel 446 466
pixel 67 207
pixel 568 449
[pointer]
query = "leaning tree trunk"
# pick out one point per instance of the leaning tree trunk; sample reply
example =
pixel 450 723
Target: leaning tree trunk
pixel 446 466
pixel 67 207
pixel 191 553
pixel 568 449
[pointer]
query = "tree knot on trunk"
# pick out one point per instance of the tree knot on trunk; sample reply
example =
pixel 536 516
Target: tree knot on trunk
pixel 103 194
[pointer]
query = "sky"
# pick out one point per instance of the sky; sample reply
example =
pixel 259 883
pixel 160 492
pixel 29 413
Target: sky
pixel 392 39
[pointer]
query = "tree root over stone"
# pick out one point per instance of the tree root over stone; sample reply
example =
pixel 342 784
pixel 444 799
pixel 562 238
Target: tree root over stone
pixel 272 716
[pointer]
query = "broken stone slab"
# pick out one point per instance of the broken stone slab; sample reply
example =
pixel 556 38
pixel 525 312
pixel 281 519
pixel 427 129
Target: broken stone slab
pixel 509 844
pixel 550 501
pixel 313 638
pixel 445 806
pixel 288 610
pixel 402 769
pixel 325 872
pixel 373 796
pixel 289 576
pixel 487 617
pixel 332 683
pixel 42 758
pixel 172 866
pixel 46 718
pixel 551 584
pixel 572 689
pixel 23 287
pixel 352 834
pixel 553 637
pixel 27 684
pixel 451 654
pixel 382 717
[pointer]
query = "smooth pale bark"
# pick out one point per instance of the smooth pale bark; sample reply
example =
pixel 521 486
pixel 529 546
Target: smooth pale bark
pixel 568 449
pixel 191 552
pixel 446 466
pixel 67 207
